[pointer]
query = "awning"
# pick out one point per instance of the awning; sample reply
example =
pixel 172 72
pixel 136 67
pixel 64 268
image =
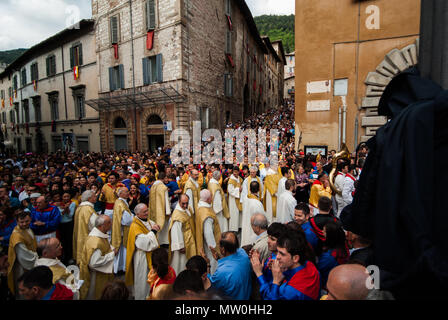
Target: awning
pixel 140 99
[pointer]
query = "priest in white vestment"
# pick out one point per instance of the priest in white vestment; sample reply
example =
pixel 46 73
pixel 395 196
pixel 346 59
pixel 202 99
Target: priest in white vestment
pixel 235 206
pixel 286 174
pixel 339 184
pixel 286 203
pixel 145 242
pixel 251 206
pixel 245 188
pixel 218 201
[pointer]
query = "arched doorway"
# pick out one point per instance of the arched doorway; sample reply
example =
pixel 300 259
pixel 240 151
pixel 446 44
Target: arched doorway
pixel 120 134
pixel 155 132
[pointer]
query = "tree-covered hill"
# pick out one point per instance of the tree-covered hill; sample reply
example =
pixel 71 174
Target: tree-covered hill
pixel 10 55
pixel 277 28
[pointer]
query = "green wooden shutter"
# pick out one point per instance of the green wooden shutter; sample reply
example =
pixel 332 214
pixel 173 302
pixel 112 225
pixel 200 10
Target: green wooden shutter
pixel 145 71
pixel 114 29
pixel 121 73
pixel 111 79
pixel 72 57
pixel 150 15
pixel 159 68
pixel 80 54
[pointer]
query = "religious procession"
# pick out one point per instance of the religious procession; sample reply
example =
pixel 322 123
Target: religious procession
pixel 134 226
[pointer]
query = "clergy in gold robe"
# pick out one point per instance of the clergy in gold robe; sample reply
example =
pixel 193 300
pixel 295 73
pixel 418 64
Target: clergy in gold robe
pixel 187 175
pixel 181 235
pixel 108 193
pixel 235 206
pixel 142 241
pixel 97 260
pixel 320 188
pixel 208 232
pixel 160 207
pixel 22 253
pixel 252 205
pixel 192 189
pixel 245 188
pixel 219 201
pixel 84 222
pixel 270 193
pixel 122 219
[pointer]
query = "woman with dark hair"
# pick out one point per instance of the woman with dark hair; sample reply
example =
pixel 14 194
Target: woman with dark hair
pixel 334 250
pixel 67 208
pixel 161 277
pixel 135 197
pixel 115 290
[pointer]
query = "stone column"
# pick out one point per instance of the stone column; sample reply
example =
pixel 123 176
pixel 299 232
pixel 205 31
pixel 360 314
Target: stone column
pixel 433 57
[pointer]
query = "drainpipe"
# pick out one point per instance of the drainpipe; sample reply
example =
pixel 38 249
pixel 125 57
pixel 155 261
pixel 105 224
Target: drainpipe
pixel 133 76
pixel 344 117
pixel 63 79
pixel 339 129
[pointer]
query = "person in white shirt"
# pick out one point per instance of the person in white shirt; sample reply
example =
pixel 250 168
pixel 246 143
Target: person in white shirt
pixel 339 184
pixel 235 207
pixel 348 188
pixel 286 203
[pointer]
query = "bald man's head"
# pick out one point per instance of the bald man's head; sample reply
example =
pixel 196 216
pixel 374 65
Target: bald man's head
pixel 228 244
pixel 348 282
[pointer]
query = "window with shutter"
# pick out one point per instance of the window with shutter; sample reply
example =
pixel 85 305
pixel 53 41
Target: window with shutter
pixel 150 15
pixel 228 85
pixel 114 29
pixel 228 7
pixel 76 55
pixel 23 76
pixel 34 72
pixel 15 82
pixel 152 69
pixel 229 42
pixel 51 66
pixel 37 109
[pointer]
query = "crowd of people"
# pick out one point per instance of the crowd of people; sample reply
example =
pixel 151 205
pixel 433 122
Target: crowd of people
pixel 131 225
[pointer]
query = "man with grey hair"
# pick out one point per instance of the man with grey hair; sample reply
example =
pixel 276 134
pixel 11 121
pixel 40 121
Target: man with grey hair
pixel 259 224
pixel 245 188
pixel 219 201
pixel 84 222
pixel 208 231
pixel 97 259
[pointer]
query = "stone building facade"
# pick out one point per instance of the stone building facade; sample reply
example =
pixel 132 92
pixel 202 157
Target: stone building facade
pixel 163 64
pixel 346 59
pixel 43 103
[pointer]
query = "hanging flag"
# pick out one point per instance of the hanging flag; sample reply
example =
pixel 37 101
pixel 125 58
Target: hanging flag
pixel 3 103
pixel 53 126
pixel 115 50
pixel 10 101
pixel 229 56
pixel 150 40
pixel 76 72
pixel 229 20
pixel 15 93
pixel 35 85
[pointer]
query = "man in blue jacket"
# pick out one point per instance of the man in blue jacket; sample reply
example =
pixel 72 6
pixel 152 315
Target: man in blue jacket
pixel 233 274
pixel 45 219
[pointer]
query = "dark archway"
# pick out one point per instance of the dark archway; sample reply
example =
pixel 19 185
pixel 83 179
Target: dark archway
pixel 154 119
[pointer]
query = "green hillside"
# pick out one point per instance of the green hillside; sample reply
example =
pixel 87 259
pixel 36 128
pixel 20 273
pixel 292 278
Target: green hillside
pixel 10 55
pixel 277 28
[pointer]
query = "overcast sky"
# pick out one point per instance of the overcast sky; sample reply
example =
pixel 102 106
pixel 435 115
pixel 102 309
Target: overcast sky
pixel 25 23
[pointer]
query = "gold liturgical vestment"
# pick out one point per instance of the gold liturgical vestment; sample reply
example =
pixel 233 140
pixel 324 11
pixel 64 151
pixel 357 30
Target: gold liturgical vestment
pixel 18 236
pixel 81 229
pixel 117 238
pixel 271 185
pixel 136 228
pixel 157 204
pixel 204 213
pixel 190 185
pixel 101 279
pixel 237 185
pixel 188 232
pixel 213 188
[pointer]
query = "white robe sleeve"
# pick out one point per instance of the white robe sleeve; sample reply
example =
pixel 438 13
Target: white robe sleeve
pixel 167 204
pixel 189 193
pixel 101 263
pixel 92 220
pixel 217 202
pixel 177 239
pixel 233 191
pixel 146 242
pixel 126 218
pixel 209 237
pixel 26 257
pixel 243 191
